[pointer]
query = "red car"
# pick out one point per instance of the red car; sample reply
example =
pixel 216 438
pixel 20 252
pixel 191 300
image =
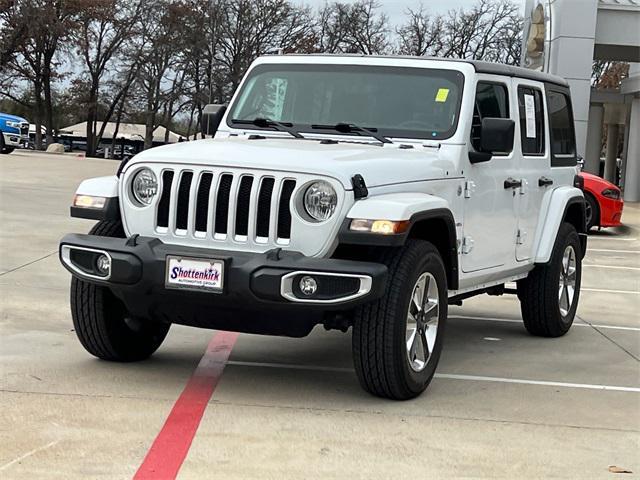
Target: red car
pixel 604 202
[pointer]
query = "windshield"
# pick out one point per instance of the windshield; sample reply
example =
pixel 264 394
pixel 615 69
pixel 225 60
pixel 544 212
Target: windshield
pixel 393 101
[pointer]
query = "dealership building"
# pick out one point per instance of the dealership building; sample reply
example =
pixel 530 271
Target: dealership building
pixel 564 37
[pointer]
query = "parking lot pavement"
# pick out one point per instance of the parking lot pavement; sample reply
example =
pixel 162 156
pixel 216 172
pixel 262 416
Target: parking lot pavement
pixel 504 404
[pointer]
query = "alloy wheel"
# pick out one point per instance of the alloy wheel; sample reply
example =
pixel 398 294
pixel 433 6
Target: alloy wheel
pixel 422 321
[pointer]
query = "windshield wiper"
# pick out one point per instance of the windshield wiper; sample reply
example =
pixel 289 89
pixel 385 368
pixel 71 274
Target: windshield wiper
pixel 350 127
pixel 267 122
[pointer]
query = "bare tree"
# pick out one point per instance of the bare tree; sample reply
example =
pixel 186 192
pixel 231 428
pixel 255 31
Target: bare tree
pixel 161 76
pixel 35 30
pixel 490 30
pixel 421 34
pixel 359 27
pixel 104 26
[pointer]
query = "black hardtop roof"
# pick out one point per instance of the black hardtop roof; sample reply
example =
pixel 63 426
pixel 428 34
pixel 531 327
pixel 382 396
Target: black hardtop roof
pixel 479 66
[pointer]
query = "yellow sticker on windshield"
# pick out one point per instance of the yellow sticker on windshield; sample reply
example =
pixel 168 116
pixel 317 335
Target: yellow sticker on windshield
pixel 442 95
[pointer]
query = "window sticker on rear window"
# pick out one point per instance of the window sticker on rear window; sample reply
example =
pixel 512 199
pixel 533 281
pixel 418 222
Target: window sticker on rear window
pixel 530 113
pixel 442 95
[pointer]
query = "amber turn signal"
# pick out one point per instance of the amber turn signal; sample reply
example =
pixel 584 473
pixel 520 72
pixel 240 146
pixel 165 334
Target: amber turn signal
pixel 382 227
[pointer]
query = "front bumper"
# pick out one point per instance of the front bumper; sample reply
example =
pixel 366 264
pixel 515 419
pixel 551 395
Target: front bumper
pixel 610 211
pixel 257 296
pixel 15 140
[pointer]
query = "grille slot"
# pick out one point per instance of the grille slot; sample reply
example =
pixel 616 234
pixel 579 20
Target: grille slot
pixel 163 204
pixel 182 209
pixel 284 214
pixel 202 202
pixel 264 207
pixel 242 206
pixel 222 203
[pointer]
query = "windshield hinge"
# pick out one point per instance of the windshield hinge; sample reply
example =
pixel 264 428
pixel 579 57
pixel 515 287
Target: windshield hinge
pixel 360 189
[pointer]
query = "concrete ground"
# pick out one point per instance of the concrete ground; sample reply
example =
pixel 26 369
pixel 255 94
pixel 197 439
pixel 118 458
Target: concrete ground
pixel 504 404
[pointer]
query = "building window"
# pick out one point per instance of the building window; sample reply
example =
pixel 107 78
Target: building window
pixel 531 121
pixel 492 101
pixel 562 136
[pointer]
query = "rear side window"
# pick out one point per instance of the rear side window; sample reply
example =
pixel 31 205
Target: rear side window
pixel 492 101
pixel 531 120
pixel 563 143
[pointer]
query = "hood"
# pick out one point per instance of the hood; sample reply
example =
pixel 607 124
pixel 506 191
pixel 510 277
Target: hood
pixel 379 165
pixel 594 179
pixel 12 118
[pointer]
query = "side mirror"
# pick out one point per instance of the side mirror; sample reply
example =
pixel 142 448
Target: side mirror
pixel 211 118
pixel 497 134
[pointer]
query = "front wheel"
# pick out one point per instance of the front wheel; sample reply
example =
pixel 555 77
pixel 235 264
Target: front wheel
pixel 549 295
pixel 591 211
pixel 103 325
pixel 397 340
pixel 3 148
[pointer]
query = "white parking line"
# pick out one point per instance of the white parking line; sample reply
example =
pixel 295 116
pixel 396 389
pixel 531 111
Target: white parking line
pixel 593 239
pixel 538 382
pixel 613 267
pixel 602 290
pixel 606 250
pixel 512 320
pixel 28 454
pixel 450 376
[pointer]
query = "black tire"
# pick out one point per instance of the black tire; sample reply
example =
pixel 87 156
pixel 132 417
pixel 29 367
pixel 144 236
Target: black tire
pixel 101 321
pixel 539 294
pixel 592 211
pixel 379 341
pixel 4 149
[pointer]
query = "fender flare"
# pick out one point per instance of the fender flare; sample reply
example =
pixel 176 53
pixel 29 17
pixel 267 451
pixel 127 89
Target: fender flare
pixel 414 207
pixel 561 199
pixel 106 187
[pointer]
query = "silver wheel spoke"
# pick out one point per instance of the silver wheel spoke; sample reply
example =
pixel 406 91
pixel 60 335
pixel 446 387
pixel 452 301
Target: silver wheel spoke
pixel 429 309
pixel 411 339
pixel 426 349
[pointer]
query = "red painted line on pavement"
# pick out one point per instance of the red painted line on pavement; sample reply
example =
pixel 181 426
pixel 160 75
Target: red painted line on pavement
pixel 170 448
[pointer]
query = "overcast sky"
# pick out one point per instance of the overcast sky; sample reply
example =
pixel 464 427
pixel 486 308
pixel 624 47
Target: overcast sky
pixel 395 9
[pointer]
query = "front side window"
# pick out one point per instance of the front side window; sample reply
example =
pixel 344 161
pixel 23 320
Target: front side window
pixel 393 101
pixel 492 101
pixel 531 120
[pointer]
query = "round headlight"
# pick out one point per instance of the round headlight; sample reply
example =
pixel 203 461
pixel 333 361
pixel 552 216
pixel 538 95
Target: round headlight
pixel 144 186
pixel 320 200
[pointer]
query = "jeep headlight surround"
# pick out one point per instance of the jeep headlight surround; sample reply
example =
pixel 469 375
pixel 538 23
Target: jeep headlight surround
pixel 320 200
pixel 144 187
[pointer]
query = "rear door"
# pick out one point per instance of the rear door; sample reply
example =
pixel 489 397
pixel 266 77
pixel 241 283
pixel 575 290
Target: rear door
pixel 532 140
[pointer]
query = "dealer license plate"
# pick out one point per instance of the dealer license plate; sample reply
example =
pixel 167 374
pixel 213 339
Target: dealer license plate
pixel 194 273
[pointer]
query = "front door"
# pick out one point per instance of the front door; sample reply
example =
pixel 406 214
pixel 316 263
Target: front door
pixel 490 211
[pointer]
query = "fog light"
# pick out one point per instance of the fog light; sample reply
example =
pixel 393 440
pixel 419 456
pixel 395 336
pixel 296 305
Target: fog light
pixel 103 264
pixel 308 285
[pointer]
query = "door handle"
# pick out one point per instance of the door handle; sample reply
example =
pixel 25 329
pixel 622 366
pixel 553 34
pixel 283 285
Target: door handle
pixel 512 183
pixel 544 182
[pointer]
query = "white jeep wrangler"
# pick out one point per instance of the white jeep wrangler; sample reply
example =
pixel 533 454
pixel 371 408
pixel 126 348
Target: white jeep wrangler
pixel 349 191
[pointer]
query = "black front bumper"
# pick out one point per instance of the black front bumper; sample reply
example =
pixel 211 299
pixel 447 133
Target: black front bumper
pixel 251 299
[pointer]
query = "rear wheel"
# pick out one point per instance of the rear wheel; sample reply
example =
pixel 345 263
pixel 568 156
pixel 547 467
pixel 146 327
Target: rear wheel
pixel 592 211
pixel 101 321
pixel 397 340
pixel 549 295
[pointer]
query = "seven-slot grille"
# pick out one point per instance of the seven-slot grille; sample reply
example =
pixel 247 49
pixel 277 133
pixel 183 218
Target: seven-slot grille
pixel 241 207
